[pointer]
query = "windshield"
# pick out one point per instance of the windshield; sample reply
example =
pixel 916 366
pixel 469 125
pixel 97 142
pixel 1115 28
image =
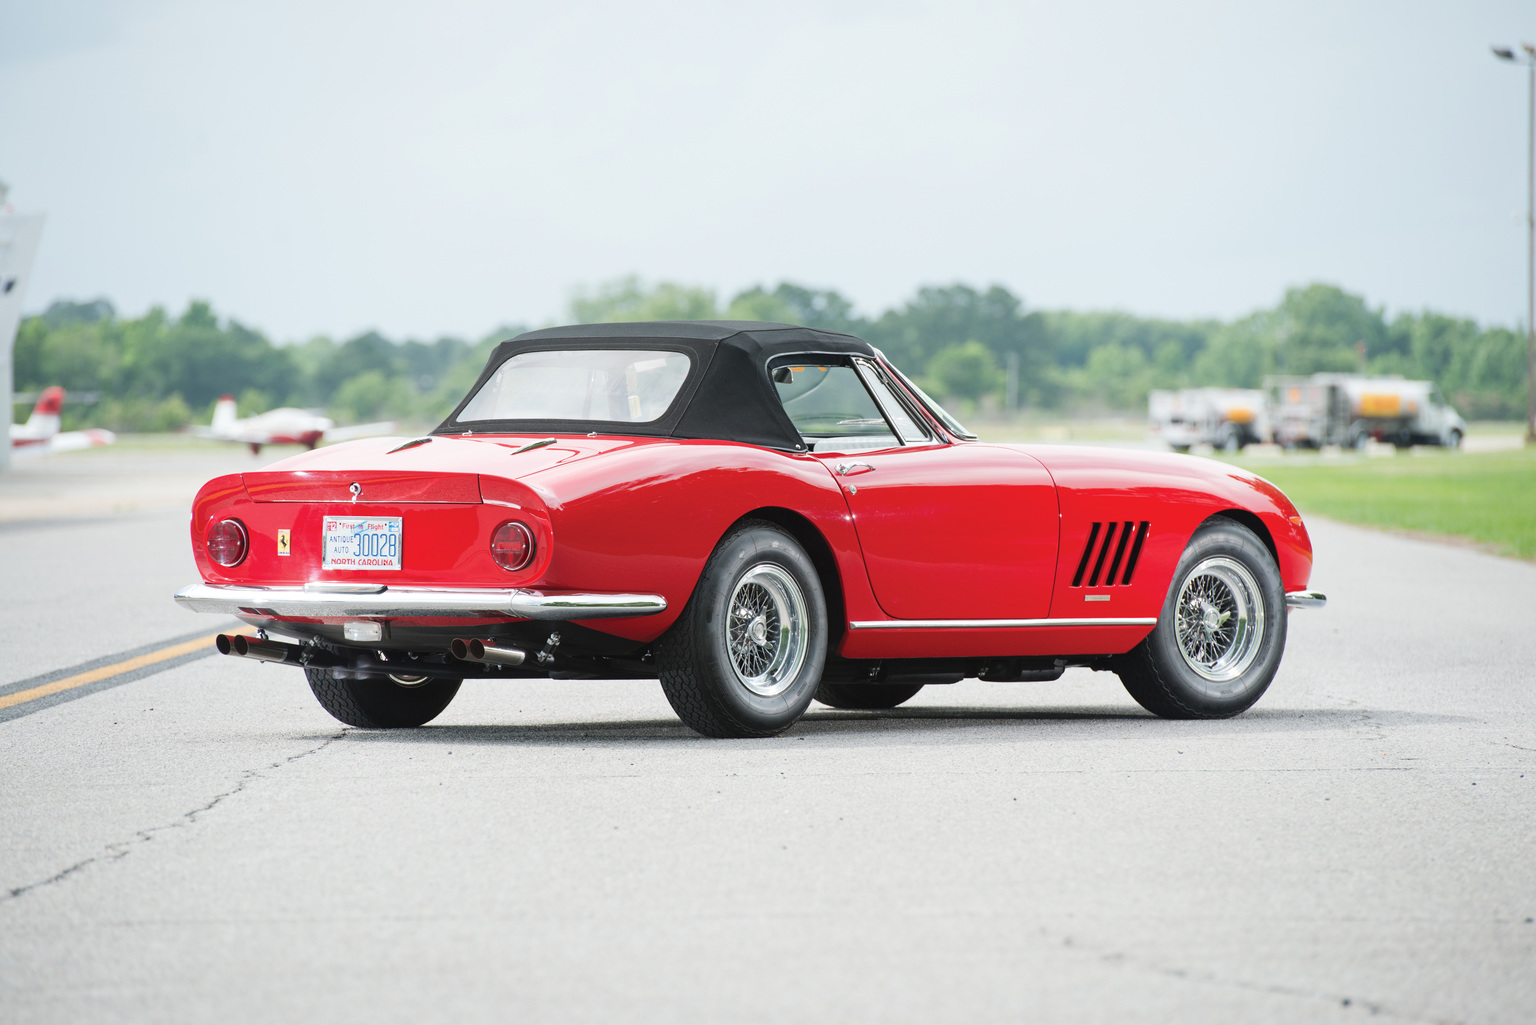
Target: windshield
pixel 933 407
pixel 619 385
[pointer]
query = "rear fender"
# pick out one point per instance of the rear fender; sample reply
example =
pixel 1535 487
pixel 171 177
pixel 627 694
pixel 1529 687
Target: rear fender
pixel 829 567
pixel 647 518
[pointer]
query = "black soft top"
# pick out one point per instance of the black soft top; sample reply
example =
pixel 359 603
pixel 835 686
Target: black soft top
pixel 727 396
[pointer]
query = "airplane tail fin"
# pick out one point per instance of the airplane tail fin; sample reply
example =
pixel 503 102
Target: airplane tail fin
pixel 44 421
pixel 224 412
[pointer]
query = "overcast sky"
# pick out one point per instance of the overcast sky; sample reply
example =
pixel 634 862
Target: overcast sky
pixel 327 167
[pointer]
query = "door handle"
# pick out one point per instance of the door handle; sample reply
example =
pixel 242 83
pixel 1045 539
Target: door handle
pixel 852 469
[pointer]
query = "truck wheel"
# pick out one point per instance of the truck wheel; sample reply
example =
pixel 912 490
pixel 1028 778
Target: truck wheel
pixel 1453 440
pixel 1230 440
pixel 1359 438
pixel 1221 632
pixel 866 695
pixel 381 702
pixel 744 658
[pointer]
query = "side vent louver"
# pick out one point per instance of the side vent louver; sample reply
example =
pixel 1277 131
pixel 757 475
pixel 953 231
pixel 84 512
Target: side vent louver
pixel 1116 537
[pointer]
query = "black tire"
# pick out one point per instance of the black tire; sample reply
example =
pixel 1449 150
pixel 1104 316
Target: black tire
pixel 1453 440
pixel 867 696
pixel 379 703
pixel 1159 674
pixel 1181 449
pixel 706 660
pixel 1230 440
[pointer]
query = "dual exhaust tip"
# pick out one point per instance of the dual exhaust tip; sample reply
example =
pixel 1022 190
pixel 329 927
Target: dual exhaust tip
pixel 245 646
pixel 475 650
pixel 463 649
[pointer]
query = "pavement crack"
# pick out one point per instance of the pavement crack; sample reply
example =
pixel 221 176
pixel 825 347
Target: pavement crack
pixel 122 848
pixel 1210 978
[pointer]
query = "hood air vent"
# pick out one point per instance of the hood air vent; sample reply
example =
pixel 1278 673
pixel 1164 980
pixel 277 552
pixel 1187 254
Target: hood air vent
pixel 1117 535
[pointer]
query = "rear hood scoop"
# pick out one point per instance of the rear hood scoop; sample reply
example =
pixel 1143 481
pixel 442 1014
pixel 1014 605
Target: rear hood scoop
pixel 369 487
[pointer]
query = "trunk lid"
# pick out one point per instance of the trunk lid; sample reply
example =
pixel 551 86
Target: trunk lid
pixel 367 486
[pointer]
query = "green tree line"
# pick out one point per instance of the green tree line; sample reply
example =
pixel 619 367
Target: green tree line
pixel 158 373
pixel 960 342
pixel 979 348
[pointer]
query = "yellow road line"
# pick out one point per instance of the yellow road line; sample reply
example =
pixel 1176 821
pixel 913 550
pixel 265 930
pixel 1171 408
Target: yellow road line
pixel 126 666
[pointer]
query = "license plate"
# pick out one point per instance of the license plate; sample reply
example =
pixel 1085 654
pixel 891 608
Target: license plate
pixel 361 542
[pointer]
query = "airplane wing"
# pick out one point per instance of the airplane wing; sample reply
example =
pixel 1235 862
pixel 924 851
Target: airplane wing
pixel 242 434
pixel 71 441
pixel 67 441
pixel 360 431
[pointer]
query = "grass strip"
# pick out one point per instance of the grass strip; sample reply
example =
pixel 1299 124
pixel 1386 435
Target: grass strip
pixel 1488 498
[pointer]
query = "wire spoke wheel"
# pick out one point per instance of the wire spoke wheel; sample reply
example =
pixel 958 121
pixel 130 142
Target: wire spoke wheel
pixel 1220 633
pixel 744 658
pixel 767 629
pixel 1220 619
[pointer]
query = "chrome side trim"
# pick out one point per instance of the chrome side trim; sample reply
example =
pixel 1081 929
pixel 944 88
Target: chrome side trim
pixel 992 624
pixel 415 602
pixel 1305 599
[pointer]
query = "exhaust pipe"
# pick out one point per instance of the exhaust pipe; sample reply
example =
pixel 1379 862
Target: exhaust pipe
pixel 263 651
pixel 472 650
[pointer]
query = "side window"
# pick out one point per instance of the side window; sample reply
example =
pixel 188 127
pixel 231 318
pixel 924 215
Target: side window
pixel 831 408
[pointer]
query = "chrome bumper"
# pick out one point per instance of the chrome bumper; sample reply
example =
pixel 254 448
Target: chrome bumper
pixel 1305 599
pixel 380 601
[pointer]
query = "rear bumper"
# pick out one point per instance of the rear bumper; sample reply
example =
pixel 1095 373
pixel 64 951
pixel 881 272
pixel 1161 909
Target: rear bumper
pixel 1305 600
pixel 342 601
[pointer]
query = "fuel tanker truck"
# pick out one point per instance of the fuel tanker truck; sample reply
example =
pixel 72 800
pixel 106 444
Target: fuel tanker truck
pixel 1224 418
pixel 1351 409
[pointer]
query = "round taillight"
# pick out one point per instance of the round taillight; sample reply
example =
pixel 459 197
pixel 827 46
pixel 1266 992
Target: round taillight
pixel 227 542
pixel 512 545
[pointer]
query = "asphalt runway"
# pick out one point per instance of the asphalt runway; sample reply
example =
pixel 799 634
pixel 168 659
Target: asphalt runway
pixel 192 839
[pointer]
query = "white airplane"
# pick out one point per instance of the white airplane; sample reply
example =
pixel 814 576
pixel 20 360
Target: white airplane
pixel 40 435
pixel 285 426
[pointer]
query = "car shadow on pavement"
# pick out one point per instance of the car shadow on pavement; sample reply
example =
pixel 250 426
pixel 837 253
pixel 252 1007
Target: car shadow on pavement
pixel 917 723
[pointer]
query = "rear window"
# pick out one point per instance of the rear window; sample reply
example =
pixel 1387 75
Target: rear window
pixel 618 385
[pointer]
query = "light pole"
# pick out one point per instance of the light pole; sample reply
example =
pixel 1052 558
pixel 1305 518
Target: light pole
pixel 1505 53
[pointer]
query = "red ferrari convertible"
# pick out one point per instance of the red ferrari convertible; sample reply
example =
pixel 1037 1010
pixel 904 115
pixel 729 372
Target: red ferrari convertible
pixel 758 515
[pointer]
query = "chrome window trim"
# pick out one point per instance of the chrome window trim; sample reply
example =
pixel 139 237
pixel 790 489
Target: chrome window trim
pixel 415 602
pixel 993 624
pixel 872 374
